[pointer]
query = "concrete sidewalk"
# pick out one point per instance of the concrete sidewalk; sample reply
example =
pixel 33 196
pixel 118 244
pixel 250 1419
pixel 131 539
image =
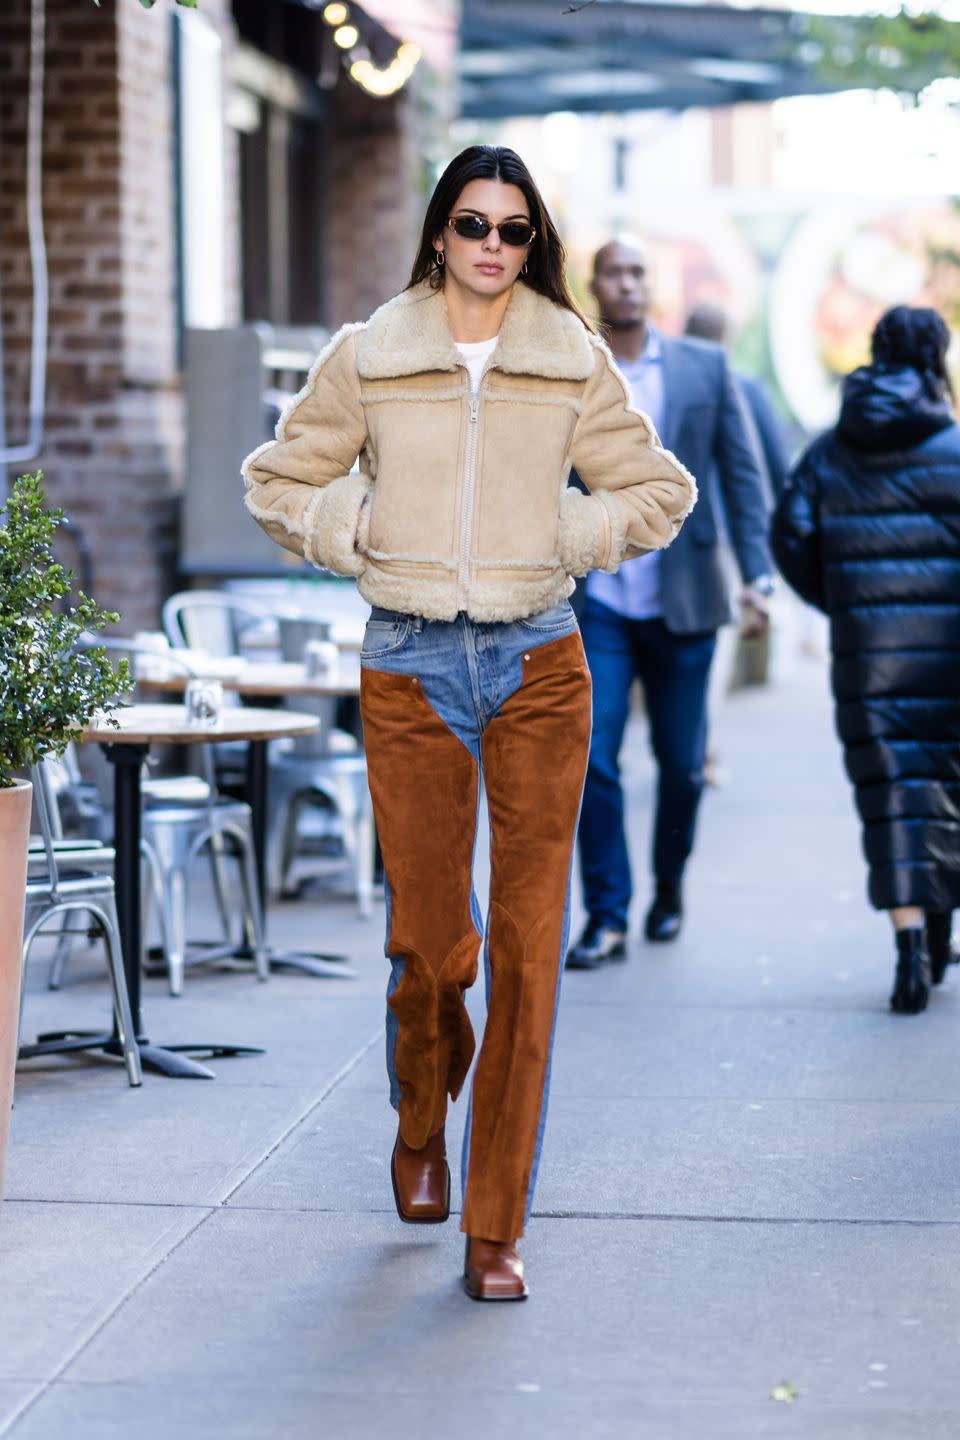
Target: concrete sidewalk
pixel 751 1177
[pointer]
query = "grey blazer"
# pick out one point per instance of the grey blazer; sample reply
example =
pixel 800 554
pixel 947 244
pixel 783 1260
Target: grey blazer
pixel 706 425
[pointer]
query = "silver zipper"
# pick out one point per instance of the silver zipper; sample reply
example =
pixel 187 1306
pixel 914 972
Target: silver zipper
pixel 469 487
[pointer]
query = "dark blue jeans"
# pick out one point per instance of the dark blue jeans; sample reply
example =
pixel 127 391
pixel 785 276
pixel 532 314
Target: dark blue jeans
pixel 674 671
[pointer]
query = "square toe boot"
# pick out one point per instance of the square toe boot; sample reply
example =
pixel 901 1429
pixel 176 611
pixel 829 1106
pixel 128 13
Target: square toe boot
pixel 493 1270
pixel 421 1181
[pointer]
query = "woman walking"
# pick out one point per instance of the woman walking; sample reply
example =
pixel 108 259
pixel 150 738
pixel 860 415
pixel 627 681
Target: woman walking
pixel 467 397
pixel 869 531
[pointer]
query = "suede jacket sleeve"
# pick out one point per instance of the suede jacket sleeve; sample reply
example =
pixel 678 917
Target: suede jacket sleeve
pixel 795 533
pixel 299 487
pixel 640 494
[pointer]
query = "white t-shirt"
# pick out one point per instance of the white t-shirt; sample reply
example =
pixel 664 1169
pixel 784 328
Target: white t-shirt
pixel 476 353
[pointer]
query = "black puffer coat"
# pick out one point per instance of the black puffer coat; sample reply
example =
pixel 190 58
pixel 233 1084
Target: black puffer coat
pixel 868 530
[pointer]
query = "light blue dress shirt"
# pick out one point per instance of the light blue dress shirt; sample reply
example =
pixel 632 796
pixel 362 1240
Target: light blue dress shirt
pixel 634 591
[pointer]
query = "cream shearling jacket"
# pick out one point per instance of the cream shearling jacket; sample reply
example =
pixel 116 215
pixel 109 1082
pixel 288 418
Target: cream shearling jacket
pixel 462 503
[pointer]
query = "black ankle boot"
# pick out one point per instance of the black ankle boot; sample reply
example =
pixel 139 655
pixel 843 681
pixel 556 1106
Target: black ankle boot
pixel 911 985
pixel 942 953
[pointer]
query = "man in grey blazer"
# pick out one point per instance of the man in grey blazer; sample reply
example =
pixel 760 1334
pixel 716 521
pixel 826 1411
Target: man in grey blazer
pixel 657 618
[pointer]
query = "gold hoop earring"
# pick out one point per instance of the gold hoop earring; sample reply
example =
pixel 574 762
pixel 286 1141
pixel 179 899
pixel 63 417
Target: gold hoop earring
pixel 438 256
pixel 524 268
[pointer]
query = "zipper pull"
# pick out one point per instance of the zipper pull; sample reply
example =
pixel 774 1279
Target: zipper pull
pixel 474 407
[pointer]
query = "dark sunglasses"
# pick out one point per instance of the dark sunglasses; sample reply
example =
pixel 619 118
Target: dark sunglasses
pixel 512 232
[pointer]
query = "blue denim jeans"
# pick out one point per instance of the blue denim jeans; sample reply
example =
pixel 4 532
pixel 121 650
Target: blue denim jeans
pixel 443 704
pixel 674 671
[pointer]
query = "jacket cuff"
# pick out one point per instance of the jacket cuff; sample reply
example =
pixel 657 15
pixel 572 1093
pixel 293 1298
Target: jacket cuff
pixel 579 532
pixel 591 534
pixel 331 524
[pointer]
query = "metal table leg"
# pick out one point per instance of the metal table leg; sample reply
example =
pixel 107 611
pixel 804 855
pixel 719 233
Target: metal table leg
pixel 309 962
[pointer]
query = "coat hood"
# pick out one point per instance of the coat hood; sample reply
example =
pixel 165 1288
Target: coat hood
pixel 891 408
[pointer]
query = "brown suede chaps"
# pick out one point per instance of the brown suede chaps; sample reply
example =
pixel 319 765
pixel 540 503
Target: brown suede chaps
pixel 424 780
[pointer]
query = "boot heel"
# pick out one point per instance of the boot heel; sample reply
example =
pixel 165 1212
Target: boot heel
pixel 912 980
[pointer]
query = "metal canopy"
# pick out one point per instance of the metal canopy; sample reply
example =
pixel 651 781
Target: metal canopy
pixel 528 57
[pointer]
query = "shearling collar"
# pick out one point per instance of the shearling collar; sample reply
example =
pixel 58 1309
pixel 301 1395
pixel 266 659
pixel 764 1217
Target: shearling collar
pixel 410 335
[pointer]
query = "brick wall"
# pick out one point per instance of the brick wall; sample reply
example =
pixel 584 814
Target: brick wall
pixel 375 206
pixel 112 453
pixel 113 447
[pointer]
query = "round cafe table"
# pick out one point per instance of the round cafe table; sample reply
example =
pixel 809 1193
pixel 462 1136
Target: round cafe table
pixel 126 744
pixel 261 679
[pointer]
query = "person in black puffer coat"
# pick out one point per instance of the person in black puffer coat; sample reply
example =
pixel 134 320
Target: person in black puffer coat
pixel 868 530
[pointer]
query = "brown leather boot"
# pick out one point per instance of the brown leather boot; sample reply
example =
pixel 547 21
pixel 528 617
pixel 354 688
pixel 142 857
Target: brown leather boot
pixel 421 1181
pixel 493 1270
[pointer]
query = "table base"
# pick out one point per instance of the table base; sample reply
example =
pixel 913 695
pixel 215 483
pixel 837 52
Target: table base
pixel 308 962
pixel 311 963
pixel 171 1060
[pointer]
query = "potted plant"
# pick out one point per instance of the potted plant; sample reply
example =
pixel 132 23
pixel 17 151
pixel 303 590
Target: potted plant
pixel 49 689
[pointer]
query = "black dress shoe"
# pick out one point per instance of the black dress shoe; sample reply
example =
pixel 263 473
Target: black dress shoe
pixel 942 953
pixel 597 945
pixel 665 916
pixel 911 985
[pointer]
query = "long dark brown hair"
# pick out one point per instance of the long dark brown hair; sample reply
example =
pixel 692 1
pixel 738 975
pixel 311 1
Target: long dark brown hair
pixel 916 336
pixel 546 258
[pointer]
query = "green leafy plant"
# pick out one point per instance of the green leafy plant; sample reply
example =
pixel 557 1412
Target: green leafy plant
pixel 49 686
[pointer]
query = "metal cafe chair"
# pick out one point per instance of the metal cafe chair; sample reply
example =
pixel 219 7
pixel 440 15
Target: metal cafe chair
pixel 173 835
pixel 62 779
pixel 63 882
pixel 324 771
pixel 211 620
pixel 71 799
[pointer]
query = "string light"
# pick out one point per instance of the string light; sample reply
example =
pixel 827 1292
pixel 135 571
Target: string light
pixel 383 81
pixel 378 80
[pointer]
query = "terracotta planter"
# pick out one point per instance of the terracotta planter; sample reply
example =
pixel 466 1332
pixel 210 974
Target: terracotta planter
pixel 14 832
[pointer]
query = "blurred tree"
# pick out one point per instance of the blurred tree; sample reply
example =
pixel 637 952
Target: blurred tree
pixel 902 52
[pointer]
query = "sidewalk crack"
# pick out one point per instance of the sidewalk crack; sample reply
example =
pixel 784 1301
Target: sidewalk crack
pixel 98 1325
pixel 301 1119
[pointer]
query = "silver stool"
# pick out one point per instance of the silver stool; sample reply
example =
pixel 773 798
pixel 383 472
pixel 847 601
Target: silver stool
pixel 59 882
